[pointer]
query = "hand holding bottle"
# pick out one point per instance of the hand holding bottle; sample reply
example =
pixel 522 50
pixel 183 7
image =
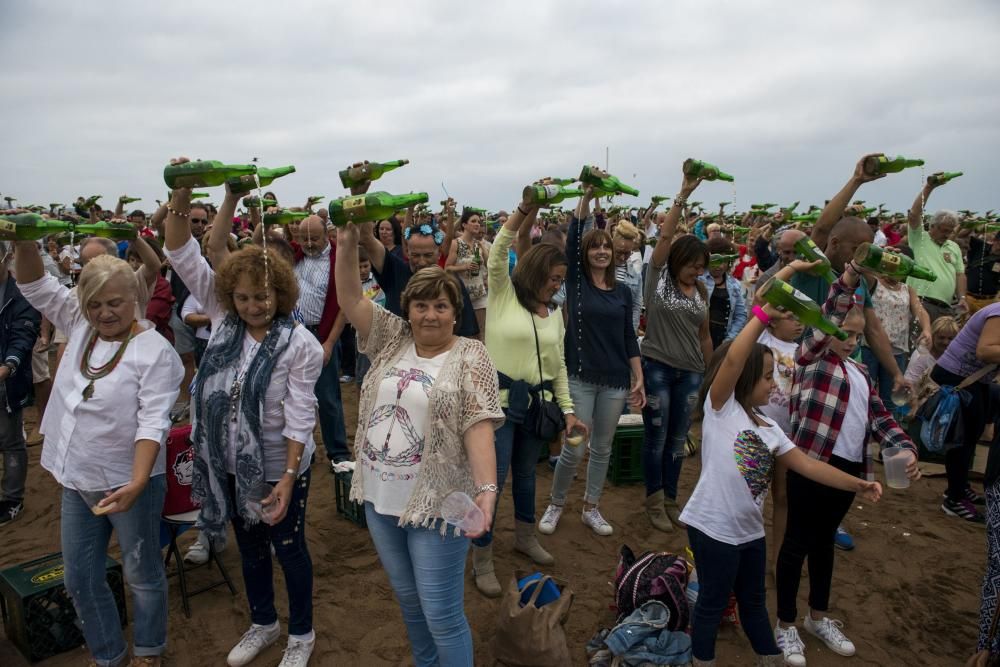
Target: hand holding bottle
pixel 362 187
pixel 861 174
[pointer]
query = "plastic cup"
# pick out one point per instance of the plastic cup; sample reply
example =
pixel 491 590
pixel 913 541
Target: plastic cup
pixel 894 459
pixel 255 501
pixel 93 498
pixel 459 510
pixel 575 436
pixel 901 396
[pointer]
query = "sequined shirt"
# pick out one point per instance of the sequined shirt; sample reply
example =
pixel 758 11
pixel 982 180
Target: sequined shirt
pixel 673 322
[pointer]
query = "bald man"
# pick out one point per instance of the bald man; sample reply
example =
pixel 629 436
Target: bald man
pixel 314 269
pixel 786 253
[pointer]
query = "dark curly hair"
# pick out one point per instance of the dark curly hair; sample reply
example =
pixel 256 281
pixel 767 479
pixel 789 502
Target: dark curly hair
pixel 250 262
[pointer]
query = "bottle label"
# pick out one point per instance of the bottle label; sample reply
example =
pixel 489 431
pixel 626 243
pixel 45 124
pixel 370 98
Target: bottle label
pixel 354 207
pixel 550 192
pixel 890 262
pixel 794 292
pixel 8 230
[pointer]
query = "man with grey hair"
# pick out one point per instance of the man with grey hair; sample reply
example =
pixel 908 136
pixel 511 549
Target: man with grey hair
pixel 935 250
pixel 786 253
pixel 19 324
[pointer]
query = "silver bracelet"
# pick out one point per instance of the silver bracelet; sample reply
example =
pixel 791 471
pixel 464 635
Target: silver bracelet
pixel 479 490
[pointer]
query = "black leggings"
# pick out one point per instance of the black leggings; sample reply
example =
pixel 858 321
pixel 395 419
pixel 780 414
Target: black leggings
pixel 814 512
pixel 957 460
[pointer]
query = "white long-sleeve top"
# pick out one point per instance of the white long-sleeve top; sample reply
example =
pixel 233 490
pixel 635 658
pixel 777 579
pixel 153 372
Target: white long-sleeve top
pixel 90 445
pixel 289 401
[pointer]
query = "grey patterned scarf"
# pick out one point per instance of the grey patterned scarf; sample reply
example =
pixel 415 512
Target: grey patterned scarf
pixel 211 398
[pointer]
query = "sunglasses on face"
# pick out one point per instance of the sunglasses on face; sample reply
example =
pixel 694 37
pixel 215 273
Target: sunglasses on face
pixel 199 221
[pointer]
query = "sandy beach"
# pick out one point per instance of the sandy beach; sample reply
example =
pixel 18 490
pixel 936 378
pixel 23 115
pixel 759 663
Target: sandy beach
pixel 908 594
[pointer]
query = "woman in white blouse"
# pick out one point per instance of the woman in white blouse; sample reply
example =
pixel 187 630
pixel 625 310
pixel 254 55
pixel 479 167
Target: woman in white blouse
pixel 253 412
pixel 105 426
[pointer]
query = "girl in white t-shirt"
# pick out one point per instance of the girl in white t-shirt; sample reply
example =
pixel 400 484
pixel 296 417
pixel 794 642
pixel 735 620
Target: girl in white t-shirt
pixel 724 519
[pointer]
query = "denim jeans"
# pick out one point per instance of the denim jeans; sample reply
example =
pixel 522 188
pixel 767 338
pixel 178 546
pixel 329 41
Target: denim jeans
pixel 670 394
pixel 881 376
pixel 599 408
pixel 725 568
pixel 15 455
pixel 427 573
pixel 289 540
pixel 331 409
pixel 518 449
pixel 85 538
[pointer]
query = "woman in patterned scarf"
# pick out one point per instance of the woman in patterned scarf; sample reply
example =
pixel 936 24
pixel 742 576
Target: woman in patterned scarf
pixel 253 416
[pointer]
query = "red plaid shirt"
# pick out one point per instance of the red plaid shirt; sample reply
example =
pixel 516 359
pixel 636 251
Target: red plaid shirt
pixel 820 391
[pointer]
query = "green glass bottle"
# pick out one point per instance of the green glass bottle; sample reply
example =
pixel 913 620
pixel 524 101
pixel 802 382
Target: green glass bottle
pixel 811 216
pixel 943 177
pixel 117 231
pixel 788 210
pixel 371 171
pixel 549 194
pixel 780 294
pixel 240 185
pixel 285 217
pixel 981 225
pixel 762 207
pixel 203 173
pixel 199 195
pixel 607 183
pixel 704 170
pixel 30 227
pixel 315 199
pixel 255 201
pixel 91 201
pixel 563 181
pixel 880 164
pixel 716 260
pixel 890 264
pixel 128 200
pixel 477 259
pixel 807 250
pixel 371 206
pixel 657 200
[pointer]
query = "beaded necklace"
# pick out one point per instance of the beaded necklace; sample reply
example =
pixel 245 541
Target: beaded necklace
pixel 105 370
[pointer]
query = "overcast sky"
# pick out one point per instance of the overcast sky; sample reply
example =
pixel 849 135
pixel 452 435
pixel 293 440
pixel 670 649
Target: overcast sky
pixel 485 98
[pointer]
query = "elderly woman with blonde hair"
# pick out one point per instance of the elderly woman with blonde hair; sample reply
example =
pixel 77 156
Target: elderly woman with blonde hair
pixel 105 425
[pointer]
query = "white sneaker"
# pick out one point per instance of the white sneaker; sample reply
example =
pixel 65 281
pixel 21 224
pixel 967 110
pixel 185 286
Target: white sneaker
pixel 593 518
pixel 256 639
pixel 298 651
pixel 829 631
pixel 791 645
pixel 550 519
pixel 197 553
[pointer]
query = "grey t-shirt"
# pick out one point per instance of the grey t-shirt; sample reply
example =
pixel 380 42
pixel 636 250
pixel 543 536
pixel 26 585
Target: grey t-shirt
pixel 673 322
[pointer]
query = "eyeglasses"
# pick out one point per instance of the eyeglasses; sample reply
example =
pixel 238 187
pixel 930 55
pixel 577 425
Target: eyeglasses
pixel 200 221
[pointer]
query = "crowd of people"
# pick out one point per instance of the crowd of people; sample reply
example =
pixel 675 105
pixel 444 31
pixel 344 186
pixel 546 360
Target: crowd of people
pixel 479 342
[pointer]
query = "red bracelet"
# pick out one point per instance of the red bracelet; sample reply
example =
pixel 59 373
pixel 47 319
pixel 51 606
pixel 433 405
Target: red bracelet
pixel 759 313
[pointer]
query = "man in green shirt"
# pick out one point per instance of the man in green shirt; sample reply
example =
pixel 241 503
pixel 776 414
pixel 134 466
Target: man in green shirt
pixel 935 250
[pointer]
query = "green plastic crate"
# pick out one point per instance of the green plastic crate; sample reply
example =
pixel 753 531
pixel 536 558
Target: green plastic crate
pixel 353 512
pixel 38 614
pixel 626 455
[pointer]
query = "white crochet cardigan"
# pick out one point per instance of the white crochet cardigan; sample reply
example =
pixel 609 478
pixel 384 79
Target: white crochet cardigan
pixel 465 392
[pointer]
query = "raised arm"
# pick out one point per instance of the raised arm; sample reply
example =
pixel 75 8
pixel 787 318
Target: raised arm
pixel 348 279
pixel 218 236
pixel 150 260
pixel 834 211
pixel 28 265
pixel 915 216
pixel 522 243
pixel 178 226
pixel 739 351
pixel 668 224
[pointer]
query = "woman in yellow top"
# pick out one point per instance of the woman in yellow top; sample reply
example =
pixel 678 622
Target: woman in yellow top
pixel 524 337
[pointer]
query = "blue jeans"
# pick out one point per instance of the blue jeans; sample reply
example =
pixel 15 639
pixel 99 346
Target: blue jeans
pixel 518 449
pixel 666 417
pixel 289 540
pixel 427 573
pixel 725 568
pixel 881 376
pixel 85 538
pixel 331 409
pixel 599 408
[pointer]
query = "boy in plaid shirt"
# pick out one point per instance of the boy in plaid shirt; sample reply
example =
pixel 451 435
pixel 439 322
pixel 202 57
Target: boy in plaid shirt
pixel 834 413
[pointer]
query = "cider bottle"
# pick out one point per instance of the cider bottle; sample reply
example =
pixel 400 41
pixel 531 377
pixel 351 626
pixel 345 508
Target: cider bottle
pixel 890 264
pixel 239 185
pixel 942 177
pixel 124 199
pixel 780 294
pixel 716 260
pixel 880 164
pixel 255 201
pixel 203 173
pixel 806 249
pixel 477 259
pixel 117 231
pixel 709 172
pixel 30 227
pixel 369 171
pixel 607 183
pixel 549 194
pixel 285 217
pixel 371 206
